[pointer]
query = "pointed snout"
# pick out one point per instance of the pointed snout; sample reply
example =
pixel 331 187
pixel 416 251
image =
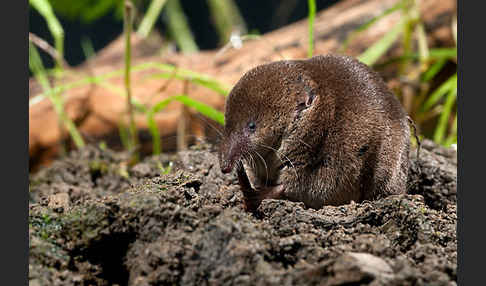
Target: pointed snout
pixel 228 155
pixel 226 161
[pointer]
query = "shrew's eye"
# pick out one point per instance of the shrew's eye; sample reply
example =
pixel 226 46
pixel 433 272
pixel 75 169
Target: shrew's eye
pixel 252 126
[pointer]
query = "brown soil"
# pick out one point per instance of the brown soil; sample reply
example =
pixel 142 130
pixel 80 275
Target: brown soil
pixel 95 221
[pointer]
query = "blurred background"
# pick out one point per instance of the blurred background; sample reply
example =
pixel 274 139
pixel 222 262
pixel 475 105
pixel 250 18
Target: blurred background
pixel 90 25
pixel 126 74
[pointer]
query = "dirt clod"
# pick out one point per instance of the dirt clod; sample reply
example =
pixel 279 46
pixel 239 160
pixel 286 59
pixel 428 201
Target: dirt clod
pixel 95 221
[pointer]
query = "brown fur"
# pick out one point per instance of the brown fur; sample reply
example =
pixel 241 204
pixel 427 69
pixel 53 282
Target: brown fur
pixel 328 131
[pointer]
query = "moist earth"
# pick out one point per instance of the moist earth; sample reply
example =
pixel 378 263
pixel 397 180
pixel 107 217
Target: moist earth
pixel 95 220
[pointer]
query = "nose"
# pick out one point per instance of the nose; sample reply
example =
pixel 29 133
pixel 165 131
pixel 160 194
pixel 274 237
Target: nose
pixel 229 154
pixel 226 167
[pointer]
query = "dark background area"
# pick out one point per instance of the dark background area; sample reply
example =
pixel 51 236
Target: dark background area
pixel 260 17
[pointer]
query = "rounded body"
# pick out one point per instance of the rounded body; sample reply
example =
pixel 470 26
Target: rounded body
pixel 323 131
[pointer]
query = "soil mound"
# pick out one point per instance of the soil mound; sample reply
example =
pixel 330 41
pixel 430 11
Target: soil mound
pixel 95 221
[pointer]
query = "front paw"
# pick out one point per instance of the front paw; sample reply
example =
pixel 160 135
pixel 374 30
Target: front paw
pixel 254 198
pixel 243 179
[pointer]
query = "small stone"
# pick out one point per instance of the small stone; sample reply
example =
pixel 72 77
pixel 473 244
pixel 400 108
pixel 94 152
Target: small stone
pixel 142 170
pixel 355 267
pixel 60 200
pixel 371 264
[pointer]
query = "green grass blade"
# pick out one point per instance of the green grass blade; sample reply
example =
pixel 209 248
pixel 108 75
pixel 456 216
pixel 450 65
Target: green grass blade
pixel 444 116
pixel 185 74
pixel 127 30
pixel 202 108
pixel 153 128
pixel 35 64
pixel 370 23
pixel 154 132
pixel 139 107
pixel 73 131
pixel 212 85
pixel 454 28
pixel 373 53
pixel 442 90
pixel 96 11
pixel 207 83
pixel 312 15
pixel 432 71
pixel 179 27
pixel 161 105
pixel 423 47
pixel 452 138
pixel 226 18
pixel 87 46
pixel 45 9
pixel 124 136
pixel 82 82
pixel 150 17
pixel 434 54
pixel 449 53
pixel 167 70
pixel 37 68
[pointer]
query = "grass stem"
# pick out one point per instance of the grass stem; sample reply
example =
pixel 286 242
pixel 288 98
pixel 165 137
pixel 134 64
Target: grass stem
pixel 45 9
pixel 128 12
pixel 150 17
pixel 312 15
pixel 179 27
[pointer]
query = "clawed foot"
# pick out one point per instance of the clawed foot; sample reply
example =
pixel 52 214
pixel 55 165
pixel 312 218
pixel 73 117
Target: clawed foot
pixel 253 198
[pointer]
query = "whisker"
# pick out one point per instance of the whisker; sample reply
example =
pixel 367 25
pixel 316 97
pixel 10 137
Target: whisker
pixel 283 155
pixel 210 125
pixel 171 139
pixel 247 157
pixel 194 136
pixel 251 161
pixel 239 164
pixel 266 168
pixel 202 137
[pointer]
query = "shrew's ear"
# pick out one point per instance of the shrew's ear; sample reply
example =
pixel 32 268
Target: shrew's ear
pixel 306 90
pixel 311 95
pixel 305 100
